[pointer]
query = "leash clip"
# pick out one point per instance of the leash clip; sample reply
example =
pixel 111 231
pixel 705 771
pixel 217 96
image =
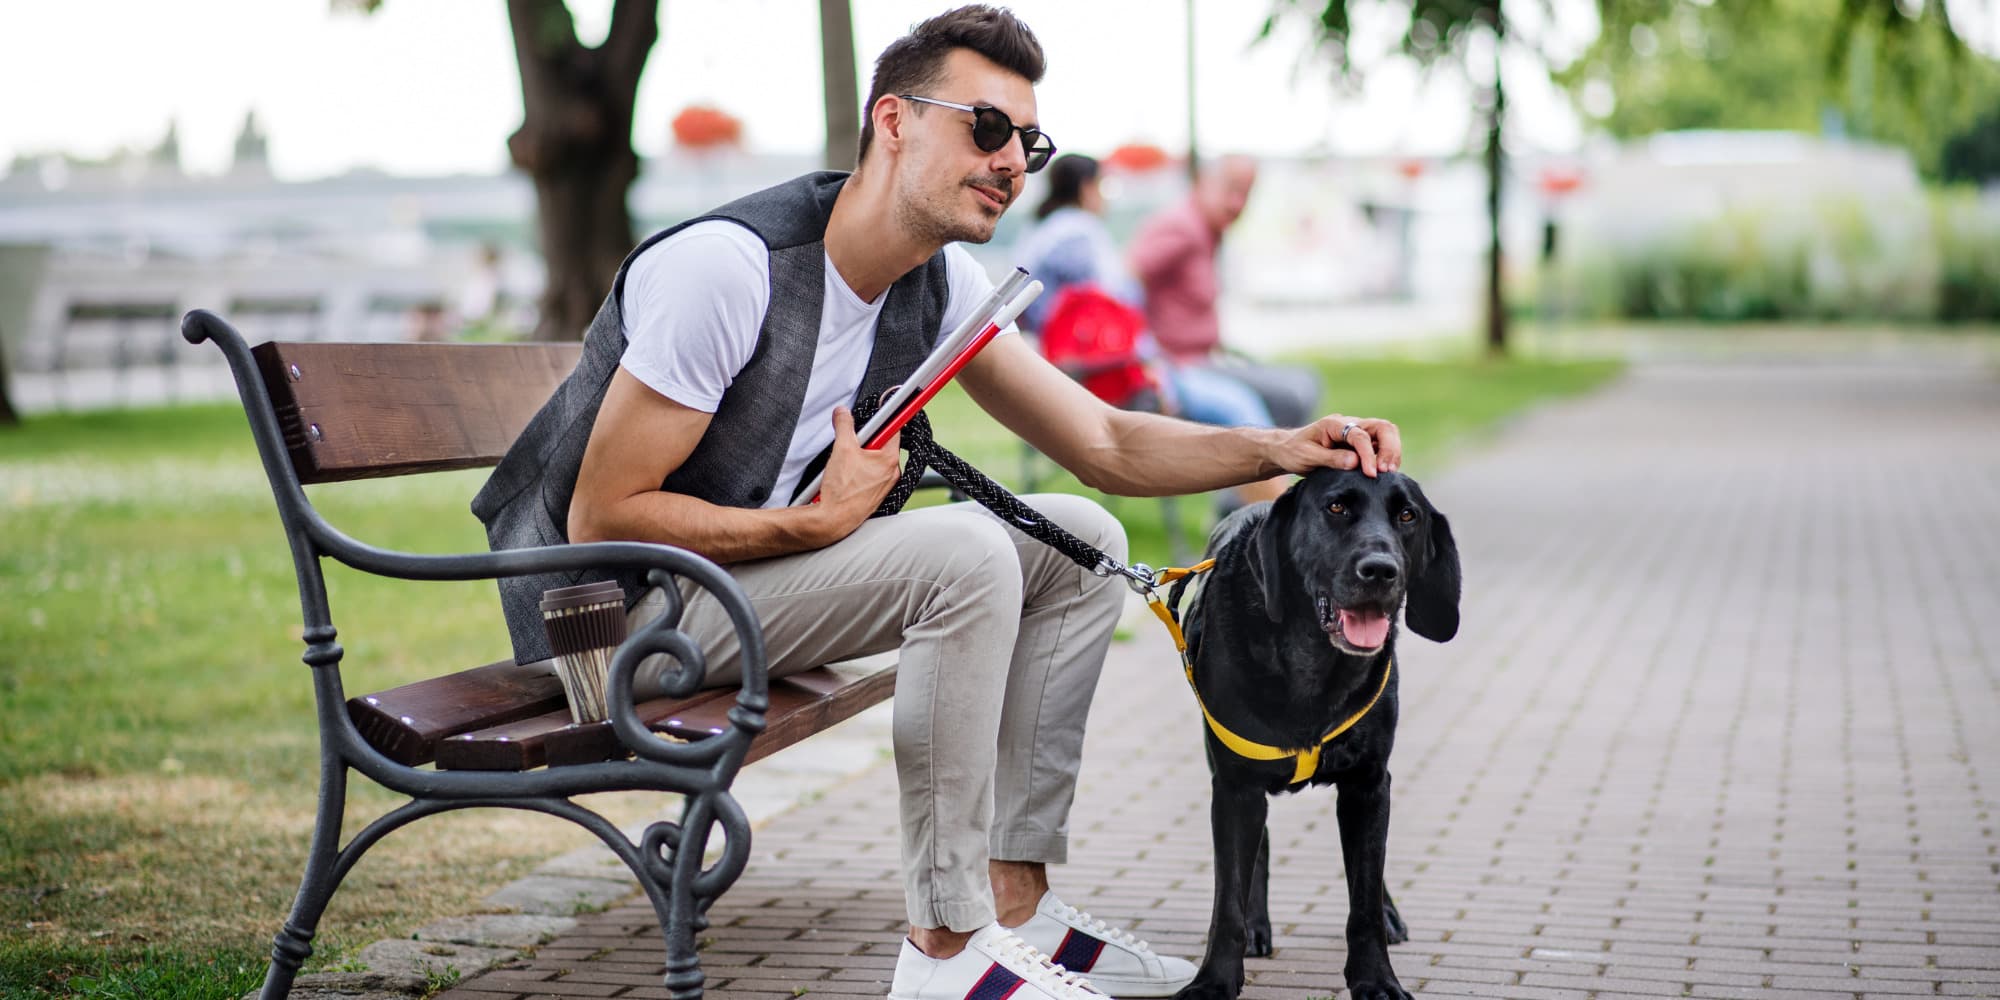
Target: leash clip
pixel 1138 576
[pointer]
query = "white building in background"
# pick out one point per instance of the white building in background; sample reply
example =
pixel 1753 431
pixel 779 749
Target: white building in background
pixel 1330 249
pixel 1638 190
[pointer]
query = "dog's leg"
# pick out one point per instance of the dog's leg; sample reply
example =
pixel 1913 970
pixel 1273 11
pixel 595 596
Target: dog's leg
pixel 1363 810
pixel 1258 933
pixel 1236 819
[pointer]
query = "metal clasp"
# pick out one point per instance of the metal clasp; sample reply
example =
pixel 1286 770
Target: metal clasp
pixel 1138 576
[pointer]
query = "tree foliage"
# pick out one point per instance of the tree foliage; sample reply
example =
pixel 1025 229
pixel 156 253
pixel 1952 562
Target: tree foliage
pixel 1783 54
pixel 1435 32
pixel 1875 71
pixel 1973 155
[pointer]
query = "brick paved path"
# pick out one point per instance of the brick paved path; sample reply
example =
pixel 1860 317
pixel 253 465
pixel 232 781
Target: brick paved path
pixel 1720 722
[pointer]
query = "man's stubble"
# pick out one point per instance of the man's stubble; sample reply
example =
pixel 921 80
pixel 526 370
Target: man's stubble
pixel 935 213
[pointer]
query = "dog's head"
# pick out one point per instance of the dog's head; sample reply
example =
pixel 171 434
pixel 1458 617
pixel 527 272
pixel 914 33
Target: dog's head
pixel 1355 549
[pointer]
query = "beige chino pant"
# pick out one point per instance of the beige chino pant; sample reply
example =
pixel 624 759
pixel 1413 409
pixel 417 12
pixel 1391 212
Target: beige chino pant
pixel 1000 640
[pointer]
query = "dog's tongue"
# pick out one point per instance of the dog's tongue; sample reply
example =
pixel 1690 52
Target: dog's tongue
pixel 1366 628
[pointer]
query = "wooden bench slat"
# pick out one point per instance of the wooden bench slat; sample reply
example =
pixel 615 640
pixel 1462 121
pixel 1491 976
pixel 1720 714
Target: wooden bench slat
pixel 512 746
pixel 405 723
pixel 590 743
pixel 359 411
pixel 801 705
pixel 822 705
pixel 551 739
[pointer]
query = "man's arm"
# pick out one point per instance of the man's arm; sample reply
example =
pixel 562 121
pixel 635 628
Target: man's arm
pixel 1144 454
pixel 641 436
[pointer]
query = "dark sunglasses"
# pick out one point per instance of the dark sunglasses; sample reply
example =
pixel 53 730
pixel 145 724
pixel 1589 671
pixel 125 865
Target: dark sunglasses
pixel 992 130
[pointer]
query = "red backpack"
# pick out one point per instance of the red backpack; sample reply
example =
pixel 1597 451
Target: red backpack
pixel 1095 339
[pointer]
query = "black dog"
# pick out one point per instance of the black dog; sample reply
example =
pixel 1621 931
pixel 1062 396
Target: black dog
pixel 1291 636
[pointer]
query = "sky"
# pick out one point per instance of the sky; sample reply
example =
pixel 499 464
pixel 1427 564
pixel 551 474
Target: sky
pixel 430 86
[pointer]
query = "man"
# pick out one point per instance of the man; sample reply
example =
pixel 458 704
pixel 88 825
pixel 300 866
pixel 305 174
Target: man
pixel 1173 255
pixel 725 360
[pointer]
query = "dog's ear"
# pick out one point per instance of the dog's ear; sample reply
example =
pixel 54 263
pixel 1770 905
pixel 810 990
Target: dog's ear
pixel 1432 608
pixel 1267 555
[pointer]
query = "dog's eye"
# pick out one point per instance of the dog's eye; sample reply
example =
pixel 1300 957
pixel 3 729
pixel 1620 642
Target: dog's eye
pixel 1339 509
pixel 1408 516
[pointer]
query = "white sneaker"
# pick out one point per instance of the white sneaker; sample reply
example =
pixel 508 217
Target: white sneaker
pixel 995 965
pixel 1116 962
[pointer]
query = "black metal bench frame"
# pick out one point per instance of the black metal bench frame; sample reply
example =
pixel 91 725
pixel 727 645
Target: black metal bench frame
pixel 666 858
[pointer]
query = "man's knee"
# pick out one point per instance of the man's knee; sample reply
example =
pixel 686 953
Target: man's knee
pixel 1085 518
pixel 963 551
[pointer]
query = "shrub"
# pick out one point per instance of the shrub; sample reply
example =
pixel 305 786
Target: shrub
pixel 1968 240
pixel 1837 259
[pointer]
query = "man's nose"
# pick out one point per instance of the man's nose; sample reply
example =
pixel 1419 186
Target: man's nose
pixel 1012 159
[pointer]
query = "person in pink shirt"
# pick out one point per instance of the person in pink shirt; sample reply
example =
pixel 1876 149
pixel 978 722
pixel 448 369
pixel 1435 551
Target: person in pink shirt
pixel 1174 257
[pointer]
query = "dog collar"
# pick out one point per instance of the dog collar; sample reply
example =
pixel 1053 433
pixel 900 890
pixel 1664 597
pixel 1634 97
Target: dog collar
pixel 1304 762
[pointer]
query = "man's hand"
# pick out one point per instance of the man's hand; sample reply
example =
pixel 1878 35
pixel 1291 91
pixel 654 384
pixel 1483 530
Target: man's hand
pixel 857 479
pixel 1339 442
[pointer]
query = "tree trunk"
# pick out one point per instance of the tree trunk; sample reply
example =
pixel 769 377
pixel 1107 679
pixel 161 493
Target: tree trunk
pixel 1193 147
pixel 836 63
pixel 575 142
pixel 8 418
pixel 1496 172
pixel 586 232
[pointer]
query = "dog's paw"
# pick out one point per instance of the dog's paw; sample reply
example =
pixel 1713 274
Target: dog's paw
pixel 1373 980
pixel 1393 925
pixel 1208 987
pixel 1390 990
pixel 1377 989
pixel 1257 939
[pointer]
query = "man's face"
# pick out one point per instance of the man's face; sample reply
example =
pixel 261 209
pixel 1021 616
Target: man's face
pixel 1226 189
pixel 949 189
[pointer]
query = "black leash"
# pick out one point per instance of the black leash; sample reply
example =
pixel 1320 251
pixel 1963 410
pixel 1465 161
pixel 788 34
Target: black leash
pixel 925 452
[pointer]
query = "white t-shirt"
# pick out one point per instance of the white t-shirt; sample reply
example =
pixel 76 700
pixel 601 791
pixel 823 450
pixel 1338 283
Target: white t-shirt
pixel 695 301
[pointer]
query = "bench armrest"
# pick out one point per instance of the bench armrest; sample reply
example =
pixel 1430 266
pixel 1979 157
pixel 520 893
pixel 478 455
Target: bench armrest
pixel 661 563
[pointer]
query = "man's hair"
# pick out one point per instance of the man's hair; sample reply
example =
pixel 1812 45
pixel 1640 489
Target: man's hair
pixel 914 63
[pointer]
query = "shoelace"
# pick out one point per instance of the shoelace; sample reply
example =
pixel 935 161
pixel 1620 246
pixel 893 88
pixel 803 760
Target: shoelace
pixel 1044 972
pixel 1102 929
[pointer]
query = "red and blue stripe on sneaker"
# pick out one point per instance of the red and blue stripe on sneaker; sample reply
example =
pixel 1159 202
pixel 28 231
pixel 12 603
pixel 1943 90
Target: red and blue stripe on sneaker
pixel 996 984
pixel 1079 951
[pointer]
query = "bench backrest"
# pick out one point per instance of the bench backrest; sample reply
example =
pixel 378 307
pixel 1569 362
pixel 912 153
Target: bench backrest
pixel 361 411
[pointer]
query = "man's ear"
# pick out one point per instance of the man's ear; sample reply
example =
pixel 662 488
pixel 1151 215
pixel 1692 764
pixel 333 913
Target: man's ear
pixel 887 115
pixel 1432 608
pixel 1267 552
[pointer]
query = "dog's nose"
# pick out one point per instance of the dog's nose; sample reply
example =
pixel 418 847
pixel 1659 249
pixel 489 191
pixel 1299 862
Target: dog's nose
pixel 1377 569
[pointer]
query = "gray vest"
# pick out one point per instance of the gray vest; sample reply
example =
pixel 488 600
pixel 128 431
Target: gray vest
pixel 737 461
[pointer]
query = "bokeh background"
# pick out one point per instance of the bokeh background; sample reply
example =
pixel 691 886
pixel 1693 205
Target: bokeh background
pixel 1466 208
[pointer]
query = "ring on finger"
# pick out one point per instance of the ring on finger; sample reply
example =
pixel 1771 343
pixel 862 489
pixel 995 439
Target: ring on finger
pixel 1349 428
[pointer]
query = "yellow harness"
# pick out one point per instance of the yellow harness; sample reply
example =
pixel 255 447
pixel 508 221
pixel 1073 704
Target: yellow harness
pixel 1304 762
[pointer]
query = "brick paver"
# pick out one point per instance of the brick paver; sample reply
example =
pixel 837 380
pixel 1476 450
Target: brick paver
pixel 1718 723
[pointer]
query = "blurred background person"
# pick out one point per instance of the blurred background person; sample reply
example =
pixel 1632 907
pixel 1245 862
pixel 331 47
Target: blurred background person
pixel 1174 256
pixel 1069 244
pixel 1092 324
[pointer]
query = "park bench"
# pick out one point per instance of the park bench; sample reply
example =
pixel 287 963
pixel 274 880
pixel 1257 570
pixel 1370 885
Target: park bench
pixel 499 734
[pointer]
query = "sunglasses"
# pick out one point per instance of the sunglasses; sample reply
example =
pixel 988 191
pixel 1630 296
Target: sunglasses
pixel 992 130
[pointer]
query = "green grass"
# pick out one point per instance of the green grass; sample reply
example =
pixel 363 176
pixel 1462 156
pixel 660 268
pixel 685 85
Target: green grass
pixel 157 750
pixel 138 973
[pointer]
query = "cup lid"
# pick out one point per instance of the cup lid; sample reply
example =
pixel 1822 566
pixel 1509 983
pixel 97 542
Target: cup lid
pixel 562 598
